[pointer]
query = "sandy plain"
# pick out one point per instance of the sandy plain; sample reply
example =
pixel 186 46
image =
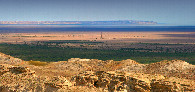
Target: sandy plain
pixel 124 37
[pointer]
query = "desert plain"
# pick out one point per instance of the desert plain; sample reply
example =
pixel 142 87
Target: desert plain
pixel 96 75
pixel 123 37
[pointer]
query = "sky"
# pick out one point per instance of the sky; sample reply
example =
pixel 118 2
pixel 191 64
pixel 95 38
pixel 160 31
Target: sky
pixel 170 12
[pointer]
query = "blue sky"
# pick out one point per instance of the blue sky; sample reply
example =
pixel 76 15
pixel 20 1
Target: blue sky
pixel 171 12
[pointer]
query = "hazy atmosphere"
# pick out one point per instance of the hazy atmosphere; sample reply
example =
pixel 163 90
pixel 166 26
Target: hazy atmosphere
pixel 169 12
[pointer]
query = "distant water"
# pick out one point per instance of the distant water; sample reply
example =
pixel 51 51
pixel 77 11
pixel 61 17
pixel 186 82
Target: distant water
pixel 62 28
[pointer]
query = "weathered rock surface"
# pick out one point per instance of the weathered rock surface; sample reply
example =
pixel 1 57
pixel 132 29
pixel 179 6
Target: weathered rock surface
pixel 132 82
pixel 21 79
pixel 93 75
pixel 7 59
pixel 173 68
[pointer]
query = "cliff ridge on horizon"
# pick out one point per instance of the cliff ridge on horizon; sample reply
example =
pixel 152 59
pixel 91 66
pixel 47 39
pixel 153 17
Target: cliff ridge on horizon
pixel 119 22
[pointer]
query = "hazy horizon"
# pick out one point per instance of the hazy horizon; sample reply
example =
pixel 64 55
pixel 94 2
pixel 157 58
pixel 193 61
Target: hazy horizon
pixel 169 12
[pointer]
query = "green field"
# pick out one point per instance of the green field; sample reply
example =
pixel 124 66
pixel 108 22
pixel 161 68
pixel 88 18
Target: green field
pixel 50 54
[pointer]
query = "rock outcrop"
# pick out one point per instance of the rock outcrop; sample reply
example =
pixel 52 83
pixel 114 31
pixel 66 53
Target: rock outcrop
pixel 132 82
pixel 21 79
pixel 93 75
pixel 173 68
pixel 7 59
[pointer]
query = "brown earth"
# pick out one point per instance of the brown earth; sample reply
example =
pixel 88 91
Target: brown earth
pixel 92 75
pixel 124 37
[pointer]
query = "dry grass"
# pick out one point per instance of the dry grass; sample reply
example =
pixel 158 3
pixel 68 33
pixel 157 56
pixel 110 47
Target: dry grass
pixel 37 63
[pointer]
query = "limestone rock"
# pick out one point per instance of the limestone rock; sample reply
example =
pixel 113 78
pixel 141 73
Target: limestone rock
pixel 22 79
pixel 93 75
pixel 131 82
pixel 6 59
pixel 58 82
pixel 173 68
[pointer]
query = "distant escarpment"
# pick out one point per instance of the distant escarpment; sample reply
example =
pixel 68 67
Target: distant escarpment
pixel 119 22
pixel 87 75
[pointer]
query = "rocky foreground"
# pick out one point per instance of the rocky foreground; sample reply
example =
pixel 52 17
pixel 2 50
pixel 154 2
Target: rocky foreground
pixel 92 75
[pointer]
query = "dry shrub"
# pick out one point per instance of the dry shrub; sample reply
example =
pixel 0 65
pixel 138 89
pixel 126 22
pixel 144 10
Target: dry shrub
pixel 37 63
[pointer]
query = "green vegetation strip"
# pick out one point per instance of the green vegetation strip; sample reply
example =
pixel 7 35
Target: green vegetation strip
pixel 50 54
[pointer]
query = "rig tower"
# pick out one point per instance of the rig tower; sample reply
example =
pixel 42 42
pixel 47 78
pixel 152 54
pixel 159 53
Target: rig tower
pixel 101 36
